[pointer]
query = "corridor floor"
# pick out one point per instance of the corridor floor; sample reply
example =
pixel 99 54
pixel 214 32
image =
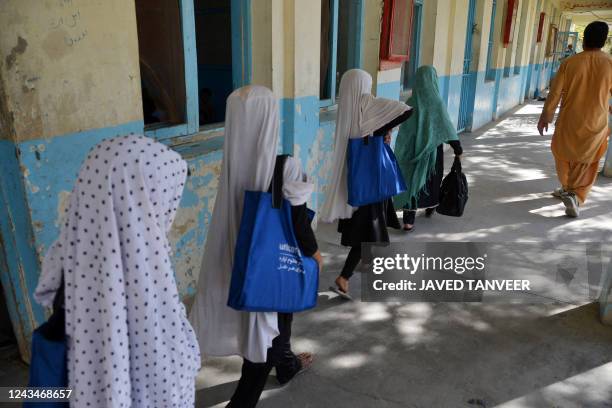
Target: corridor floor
pixel 452 355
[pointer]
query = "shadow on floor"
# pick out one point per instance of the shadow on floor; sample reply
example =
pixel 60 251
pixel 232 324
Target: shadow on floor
pixel 443 355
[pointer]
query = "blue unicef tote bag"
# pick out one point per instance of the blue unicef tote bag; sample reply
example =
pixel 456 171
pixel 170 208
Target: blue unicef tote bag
pixel 270 274
pixel 48 367
pixel 373 174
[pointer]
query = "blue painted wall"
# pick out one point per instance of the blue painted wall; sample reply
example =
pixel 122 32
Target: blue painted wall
pixel 484 103
pixel 18 266
pixel 495 97
pixel 46 195
pixel 389 90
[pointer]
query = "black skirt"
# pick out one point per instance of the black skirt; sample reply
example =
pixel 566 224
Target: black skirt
pixel 429 195
pixel 369 224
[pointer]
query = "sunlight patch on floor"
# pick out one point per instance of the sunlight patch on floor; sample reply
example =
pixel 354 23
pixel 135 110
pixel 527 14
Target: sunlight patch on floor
pixel 524 197
pixel 550 211
pixel 348 361
pixel 591 388
pixel 530 109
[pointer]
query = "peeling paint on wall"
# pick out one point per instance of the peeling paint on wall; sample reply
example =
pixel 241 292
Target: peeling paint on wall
pixel 18 49
pixel 188 234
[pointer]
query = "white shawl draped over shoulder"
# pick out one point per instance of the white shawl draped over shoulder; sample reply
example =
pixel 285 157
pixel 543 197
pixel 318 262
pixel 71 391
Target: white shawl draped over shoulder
pixel 249 155
pixel 359 115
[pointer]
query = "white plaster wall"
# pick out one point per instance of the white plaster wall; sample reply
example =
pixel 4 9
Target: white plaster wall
pixel 371 38
pixel 261 35
pixel 457 36
pixel 528 17
pixel 484 22
pixel 499 52
pixel 286 46
pixel 69 65
pixel 307 47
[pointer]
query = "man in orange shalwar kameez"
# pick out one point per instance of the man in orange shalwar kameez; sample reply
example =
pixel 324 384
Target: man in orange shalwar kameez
pixel 583 84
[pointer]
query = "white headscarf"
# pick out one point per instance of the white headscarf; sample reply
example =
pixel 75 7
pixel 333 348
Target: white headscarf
pixel 359 115
pixel 129 341
pixel 249 155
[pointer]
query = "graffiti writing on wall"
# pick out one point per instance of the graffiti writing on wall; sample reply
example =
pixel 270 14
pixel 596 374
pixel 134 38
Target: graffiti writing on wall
pixel 68 19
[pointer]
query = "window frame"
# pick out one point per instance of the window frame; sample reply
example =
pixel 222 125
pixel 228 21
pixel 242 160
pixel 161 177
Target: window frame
pixel 551 42
pixel 241 68
pixel 490 71
pixel 389 60
pixel 333 56
pixel 510 23
pixel 355 54
pixel 541 27
pixel 415 41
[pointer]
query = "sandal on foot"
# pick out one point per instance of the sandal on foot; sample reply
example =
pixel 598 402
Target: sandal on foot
pixel 340 293
pixel 306 360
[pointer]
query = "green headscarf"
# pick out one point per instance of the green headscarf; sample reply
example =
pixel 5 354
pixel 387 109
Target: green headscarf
pixel 419 137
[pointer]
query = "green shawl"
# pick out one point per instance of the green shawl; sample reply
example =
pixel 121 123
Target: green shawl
pixel 419 137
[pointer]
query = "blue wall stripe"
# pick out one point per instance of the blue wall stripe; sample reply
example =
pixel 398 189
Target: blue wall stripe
pixel 18 244
pixel 53 165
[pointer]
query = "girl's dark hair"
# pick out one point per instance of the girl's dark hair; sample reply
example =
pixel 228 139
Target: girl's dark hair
pixel 595 34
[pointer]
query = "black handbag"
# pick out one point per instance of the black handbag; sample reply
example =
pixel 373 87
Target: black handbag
pixel 453 192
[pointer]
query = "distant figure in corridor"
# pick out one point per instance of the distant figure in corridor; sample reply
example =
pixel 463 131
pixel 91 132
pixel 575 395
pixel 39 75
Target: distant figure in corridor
pixel 360 114
pixel 128 338
pixel 569 51
pixel 420 147
pixel 583 85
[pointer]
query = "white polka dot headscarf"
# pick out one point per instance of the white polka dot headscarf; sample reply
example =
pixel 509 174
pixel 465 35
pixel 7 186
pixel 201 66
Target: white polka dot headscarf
pixel 129 340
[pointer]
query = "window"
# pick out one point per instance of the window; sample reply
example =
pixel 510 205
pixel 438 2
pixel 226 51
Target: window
pixel 329 41
pixel 541 27
pixel 188 61
pixel 162 69
pixel 213 25
pixel 490 71
pixel 509 27
pixel 551 43
pixel 409 67
pixel 340 44
pixel 396 33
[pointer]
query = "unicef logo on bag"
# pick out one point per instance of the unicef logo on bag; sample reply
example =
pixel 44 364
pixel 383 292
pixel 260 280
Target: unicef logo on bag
pixel 290 258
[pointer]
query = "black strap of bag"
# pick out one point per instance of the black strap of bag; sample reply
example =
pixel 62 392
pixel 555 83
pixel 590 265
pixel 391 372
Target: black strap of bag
pixel 276 185
pixel 456 165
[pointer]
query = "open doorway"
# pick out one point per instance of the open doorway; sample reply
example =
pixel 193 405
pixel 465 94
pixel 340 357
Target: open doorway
pixel 7 336
pixel 162 67
pixel 213 25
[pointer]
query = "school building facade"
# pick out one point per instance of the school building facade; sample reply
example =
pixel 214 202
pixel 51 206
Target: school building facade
pixel 73 72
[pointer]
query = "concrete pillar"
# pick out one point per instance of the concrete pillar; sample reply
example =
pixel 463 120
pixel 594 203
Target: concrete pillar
pixel 371 38
pixel 444 46
pixel 70 77
pixel 528 17
pixel 263 24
